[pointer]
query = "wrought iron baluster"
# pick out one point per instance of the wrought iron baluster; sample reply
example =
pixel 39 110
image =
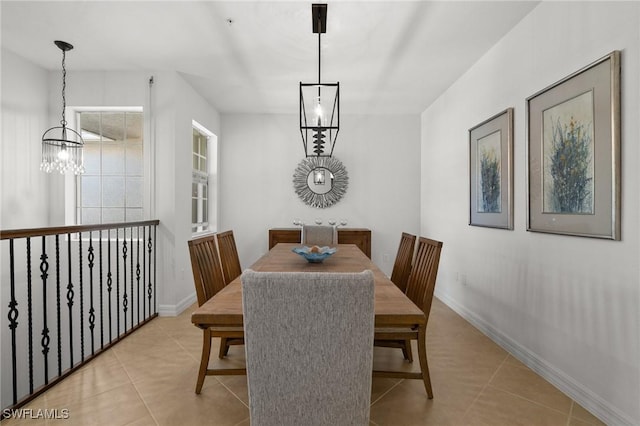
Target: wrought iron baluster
pixel 144 270
pixel 155 263
pixel 80 269
pixel 125 301
pixel 138 271
pixel 44 268
pixel 13 322
pixel 70 294
pixel 58 323
pixel 92 312
pixel 101 290
pixel 109 282
pixel 30 314
pixel 149 291
pixel 117 283
pixel 131 293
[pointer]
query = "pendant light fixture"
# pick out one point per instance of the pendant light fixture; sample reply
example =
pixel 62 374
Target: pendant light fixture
pixel 62 146
pixel 319 102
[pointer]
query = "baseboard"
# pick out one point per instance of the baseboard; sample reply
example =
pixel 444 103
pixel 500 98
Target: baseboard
pixel 175 310
pixel 583 396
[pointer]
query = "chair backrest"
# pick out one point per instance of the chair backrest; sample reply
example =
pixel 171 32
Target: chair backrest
pixel 422 280
pixel 404 257
pixel 319 235
pixel 309 347
pixel 229 256
pixel 205 264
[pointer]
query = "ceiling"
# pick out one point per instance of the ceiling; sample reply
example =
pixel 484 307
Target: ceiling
pixel 390 57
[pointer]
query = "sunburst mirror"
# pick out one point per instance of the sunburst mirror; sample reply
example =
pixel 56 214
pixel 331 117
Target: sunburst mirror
pixel 320 181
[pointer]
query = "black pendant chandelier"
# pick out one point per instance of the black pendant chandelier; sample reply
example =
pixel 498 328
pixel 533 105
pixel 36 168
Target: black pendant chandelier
pixel 62 146
pixel 319 102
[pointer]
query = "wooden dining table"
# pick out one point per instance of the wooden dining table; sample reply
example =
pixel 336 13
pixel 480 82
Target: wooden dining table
pixel 393 309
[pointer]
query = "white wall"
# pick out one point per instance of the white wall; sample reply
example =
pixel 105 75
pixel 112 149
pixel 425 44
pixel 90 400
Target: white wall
pixel 23 187
pixel 189 106
pixel 567 306
pixel 259 154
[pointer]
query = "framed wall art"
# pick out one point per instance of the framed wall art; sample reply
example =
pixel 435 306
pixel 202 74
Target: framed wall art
pixel 490 172
pixel 573 153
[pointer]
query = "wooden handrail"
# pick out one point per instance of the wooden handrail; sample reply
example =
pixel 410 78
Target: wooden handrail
pixel 37 232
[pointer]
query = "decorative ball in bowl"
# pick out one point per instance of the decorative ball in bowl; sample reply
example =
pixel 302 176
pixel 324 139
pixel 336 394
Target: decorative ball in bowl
pixel 314 254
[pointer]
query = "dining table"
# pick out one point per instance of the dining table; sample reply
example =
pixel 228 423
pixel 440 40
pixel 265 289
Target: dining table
pixel 393 309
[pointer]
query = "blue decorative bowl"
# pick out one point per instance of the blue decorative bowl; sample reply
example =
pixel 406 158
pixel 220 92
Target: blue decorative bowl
pixel 314 257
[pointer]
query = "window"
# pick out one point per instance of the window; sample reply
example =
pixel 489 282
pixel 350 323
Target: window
pixel 200 178
pixel 112 188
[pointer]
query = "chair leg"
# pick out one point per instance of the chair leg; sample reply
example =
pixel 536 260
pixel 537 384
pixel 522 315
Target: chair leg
pixel 224 348
pixel 204 361
pixel 422 355
pixel 406 351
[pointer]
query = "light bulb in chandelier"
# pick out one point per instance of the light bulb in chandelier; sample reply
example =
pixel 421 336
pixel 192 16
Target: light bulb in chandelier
pixel 63 154
pixel 319 111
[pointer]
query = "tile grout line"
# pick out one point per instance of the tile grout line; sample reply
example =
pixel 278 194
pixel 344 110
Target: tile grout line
pixel 485 386
pixel 242 421
pixel 231 392
pixel 570 413
pixel 531 400
pixel 188 352
pixel 126 371
pixel 385 393
pixel 539 404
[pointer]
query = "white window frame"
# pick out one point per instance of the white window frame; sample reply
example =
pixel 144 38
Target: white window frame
pixel 209 179
pixel 71 181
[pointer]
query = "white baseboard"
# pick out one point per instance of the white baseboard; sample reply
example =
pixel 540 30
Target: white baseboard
pixel 175 310
pixel 574 390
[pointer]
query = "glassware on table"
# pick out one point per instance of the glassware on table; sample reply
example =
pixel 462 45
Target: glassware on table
pixel 332 221
pixel 343 222
pixel 318 221
pixel 297 222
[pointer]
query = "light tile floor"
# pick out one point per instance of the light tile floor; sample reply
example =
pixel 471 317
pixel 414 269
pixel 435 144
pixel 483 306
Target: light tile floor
pixel 149 379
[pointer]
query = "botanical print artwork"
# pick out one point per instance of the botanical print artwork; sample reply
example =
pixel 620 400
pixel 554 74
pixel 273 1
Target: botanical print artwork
pixel 488 169
pixel 568 159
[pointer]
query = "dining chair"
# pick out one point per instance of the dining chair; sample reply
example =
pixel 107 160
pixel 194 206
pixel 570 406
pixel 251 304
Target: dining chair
pixel 402 264
pixel 209 280
pixel 319 235
pixel 400 276
pixel 326 320
pixel 420 289
pixel 229 256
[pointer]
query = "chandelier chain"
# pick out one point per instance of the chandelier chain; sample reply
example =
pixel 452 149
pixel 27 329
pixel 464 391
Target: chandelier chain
pixel 64 86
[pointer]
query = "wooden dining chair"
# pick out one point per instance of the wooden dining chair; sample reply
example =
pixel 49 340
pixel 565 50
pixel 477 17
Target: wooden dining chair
pixel 229 256
pixel 420 289
pixel 327 320
pixel 209 280
pixel 404 258
pixel 319 235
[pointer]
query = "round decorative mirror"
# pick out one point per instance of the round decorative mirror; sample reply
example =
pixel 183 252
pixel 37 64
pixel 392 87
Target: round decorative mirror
pixel 320 181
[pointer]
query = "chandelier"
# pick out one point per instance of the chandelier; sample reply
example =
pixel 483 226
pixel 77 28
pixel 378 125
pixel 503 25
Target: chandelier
pixel 62 146
pixel 319 102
